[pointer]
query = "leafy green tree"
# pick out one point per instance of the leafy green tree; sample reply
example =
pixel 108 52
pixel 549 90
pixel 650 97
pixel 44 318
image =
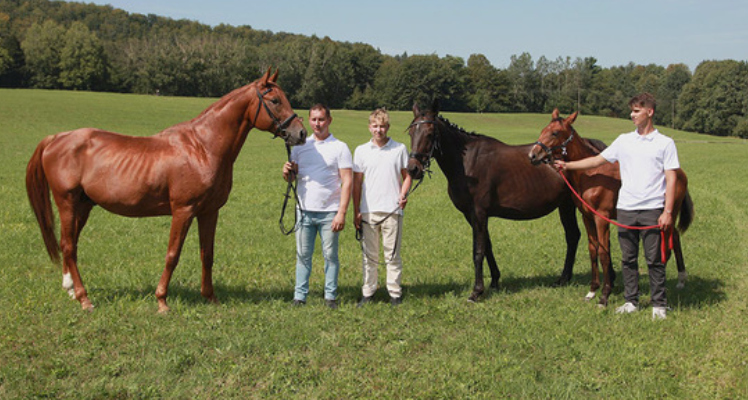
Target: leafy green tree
pixel 42 52
pixel 715 100
pixel 524 80
pixel 670 86
pixel 12 61
pixel 83 64
pixel 487 88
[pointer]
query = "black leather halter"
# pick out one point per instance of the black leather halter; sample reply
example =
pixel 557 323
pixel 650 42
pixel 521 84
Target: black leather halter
pixel 550 150
pixel 279 127
pixel 425 158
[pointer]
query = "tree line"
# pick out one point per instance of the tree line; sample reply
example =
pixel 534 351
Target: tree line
pixel 75 46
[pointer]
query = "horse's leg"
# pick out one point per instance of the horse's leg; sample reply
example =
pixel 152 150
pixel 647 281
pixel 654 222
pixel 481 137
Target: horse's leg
pixel 73 217
pixel 180 224
pixel 479 224
pixel 206 225
pixel 493 267
pixel 603 251
pixel 681 263
pixel 567 212
pixel 592 246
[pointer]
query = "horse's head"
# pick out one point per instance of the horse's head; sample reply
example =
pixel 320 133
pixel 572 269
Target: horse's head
pixel 278 116
pixel 423 141
pixel 553 139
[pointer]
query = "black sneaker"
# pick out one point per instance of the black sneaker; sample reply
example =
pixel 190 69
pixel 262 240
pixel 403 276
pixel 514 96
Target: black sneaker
pixel 364 300
pixel 333 304
pixel 298 303
pixel 396 301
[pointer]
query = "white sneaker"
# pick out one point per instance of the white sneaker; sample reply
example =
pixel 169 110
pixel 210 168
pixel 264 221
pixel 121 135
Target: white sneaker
pixel 627 308
pixel 659 312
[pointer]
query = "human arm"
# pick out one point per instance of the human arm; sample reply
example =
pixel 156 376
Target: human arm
pixel 666 219
pixel 346 176
pixel 585 163
pixel 405 188
pixel 358 181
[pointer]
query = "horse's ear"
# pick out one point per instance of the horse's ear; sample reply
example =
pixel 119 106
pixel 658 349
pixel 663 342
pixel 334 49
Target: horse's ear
pixel 274 78
pixel 435 106
pixel 416 109
pixel 554 115
pixel 573 117
pixel 265 77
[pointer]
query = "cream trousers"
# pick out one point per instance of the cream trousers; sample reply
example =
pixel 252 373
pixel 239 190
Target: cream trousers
pixel 390 230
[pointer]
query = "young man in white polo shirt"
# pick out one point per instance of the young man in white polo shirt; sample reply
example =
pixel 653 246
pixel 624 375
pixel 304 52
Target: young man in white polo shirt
pixel 323 168
pixel 380 187
pixel 648 161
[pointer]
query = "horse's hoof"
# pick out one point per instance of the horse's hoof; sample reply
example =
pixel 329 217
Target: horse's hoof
pixel 681 280
pixel 589 296
pixel 561 282
pixel 602 306
pixel 86 305
pixel 163 310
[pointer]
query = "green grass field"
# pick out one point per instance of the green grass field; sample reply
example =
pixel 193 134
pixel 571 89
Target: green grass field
pixel 527 340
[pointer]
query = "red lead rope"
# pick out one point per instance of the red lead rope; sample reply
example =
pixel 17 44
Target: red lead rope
pixel 667 237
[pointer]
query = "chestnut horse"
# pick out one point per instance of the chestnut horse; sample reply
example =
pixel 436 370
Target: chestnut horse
pixel 488 178
pixel 185 171
pixel 599 188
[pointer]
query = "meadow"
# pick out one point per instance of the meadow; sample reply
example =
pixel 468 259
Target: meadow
pixel 525 340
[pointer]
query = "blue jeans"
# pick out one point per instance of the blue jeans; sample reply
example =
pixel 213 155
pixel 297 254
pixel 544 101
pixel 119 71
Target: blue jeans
pixel 310 223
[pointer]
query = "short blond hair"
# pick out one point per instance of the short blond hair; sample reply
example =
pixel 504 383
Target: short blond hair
pixel 380 115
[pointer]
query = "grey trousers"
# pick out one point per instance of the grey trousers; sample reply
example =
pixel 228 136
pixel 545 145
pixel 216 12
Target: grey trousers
pixel 651 241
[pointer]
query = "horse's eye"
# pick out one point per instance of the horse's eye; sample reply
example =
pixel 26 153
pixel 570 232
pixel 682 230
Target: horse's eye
pixel 275 101
pixel 554 134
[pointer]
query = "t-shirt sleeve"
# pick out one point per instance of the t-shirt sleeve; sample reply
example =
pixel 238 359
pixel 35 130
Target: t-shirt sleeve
pixel 345 160
pixel 670 159
pixel 403 157
pixel 357 166
pixel 610 153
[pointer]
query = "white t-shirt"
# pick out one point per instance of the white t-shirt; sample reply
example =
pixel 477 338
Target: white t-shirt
pixel 643 161
pixel 319 177
pixel 382 168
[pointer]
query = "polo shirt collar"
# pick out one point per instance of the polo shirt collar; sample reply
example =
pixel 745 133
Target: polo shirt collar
pixel 386 145
pixel 648 137
pixel 329 138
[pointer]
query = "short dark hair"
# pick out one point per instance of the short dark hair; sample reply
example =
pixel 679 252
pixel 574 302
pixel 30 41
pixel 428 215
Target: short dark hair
pixel 643 100
pixel 322 107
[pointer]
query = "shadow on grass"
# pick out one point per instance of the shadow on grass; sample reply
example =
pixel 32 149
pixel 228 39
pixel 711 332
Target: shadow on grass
pixel 699 292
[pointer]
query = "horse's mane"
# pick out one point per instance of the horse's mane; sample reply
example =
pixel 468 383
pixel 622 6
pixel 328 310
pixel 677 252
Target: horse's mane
pixel 595 145
pixel 458 128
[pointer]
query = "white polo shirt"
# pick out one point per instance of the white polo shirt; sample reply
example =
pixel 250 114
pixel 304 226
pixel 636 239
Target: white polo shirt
pixel 643 161
pixel 382 168
pixel 319 177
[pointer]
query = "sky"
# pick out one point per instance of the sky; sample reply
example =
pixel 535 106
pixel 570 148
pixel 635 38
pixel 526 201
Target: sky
pixel 614 32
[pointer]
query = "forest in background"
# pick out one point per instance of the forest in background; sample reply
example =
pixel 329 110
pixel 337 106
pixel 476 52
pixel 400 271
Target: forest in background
pixel 77 46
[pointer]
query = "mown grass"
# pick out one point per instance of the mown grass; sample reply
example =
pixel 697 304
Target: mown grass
pixel 527 340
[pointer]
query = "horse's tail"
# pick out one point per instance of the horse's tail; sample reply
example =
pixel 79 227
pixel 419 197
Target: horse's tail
pixel 37 188
pixel 686 213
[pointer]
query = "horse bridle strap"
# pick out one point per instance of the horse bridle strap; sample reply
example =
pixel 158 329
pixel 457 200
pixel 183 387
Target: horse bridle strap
pixel 280 127
pixel 423 158
pixel 549 150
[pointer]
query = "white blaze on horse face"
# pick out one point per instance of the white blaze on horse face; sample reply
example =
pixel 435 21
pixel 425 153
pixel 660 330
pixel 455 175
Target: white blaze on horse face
pixel 67 284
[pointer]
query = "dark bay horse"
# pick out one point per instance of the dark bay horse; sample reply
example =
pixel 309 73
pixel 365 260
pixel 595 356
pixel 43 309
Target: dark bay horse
pixel 599 188
pixel 488 178
pixel 185 171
